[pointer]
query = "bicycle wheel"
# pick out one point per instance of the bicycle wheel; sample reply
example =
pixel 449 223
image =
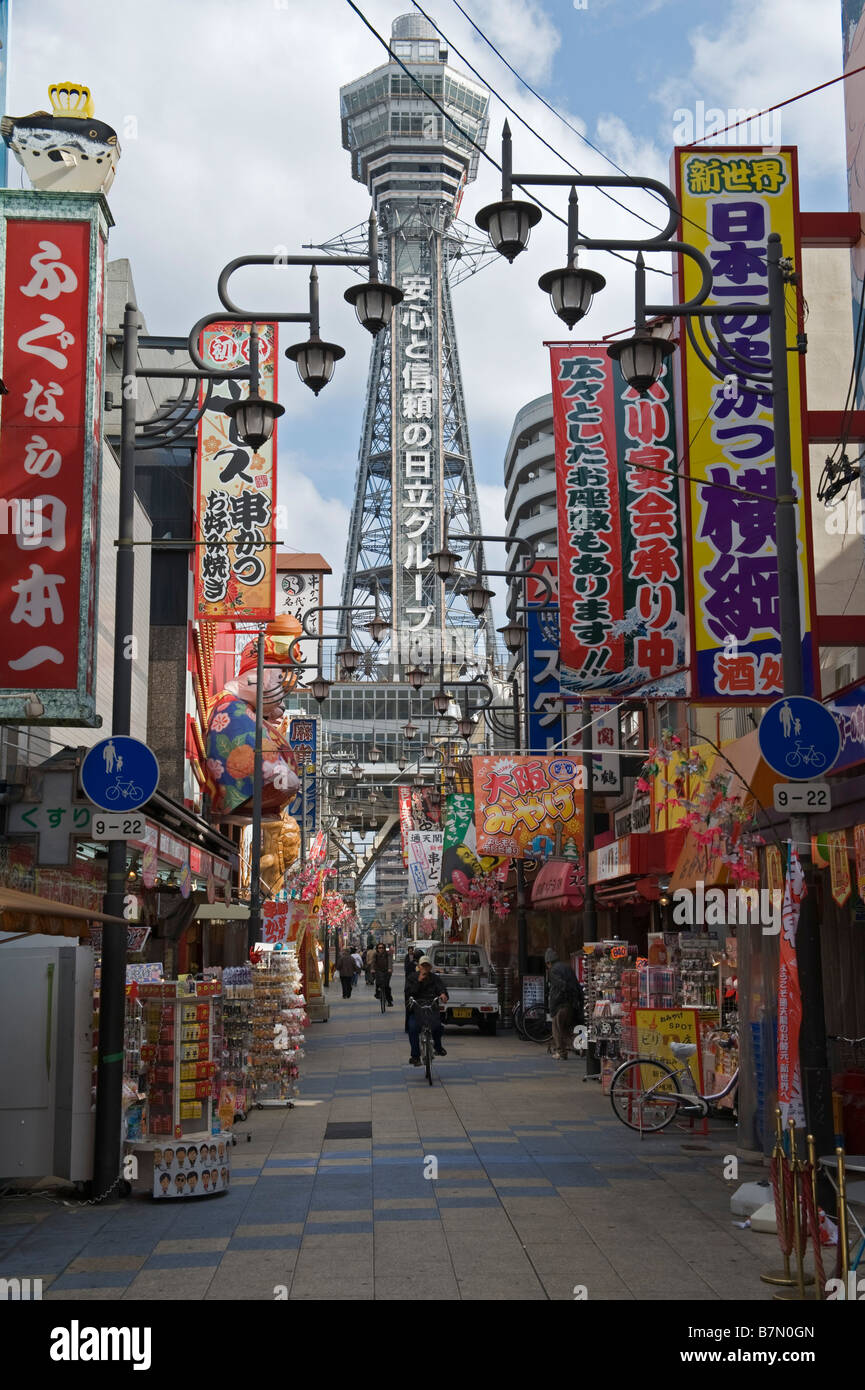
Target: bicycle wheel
pixel 112 793
pixel 535 1024
pixel 643 1095
pixel 428 1055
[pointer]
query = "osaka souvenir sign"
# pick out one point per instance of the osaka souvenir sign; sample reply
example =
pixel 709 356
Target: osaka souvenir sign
pixel 522 802
pixel 53 252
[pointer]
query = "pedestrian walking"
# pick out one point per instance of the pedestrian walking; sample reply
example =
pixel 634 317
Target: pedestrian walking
pixel 345 969
pixel 565 1003
pixel 358 966
pixel 382 969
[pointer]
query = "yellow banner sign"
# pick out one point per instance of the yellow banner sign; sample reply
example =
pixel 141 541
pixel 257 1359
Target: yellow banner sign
pixel 731 200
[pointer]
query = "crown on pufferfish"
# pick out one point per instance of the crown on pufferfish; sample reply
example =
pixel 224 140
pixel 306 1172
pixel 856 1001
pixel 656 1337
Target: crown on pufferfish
pixel 71 99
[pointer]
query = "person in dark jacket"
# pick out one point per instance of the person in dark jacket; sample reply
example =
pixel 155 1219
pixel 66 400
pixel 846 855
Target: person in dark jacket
pixel 565 1003
pixel 345 968
pixel 410 968
pixel 425 988
pixel 382 969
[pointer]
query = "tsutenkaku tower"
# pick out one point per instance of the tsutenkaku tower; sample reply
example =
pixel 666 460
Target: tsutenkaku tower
pixel 414 454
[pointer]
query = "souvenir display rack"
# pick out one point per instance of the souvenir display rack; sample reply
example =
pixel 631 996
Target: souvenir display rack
pixel 278 1019
pixel 608 989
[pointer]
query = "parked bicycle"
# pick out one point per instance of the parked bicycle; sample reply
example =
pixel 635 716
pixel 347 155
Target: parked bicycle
pixel 532 1023
pixel 647 1095
pixel 427 1016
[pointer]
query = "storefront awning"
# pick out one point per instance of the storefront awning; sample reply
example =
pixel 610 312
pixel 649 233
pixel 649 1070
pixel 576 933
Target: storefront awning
pixel 29 914
pixel 636 856
pixel 557 887
pixel 627 892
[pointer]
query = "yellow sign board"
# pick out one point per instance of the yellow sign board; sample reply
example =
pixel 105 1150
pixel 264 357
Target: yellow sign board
pixel 731 200
pixel 657 1028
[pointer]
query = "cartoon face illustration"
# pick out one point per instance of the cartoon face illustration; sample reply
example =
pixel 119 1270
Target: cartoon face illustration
pixel 205 1180
pixel 214 1176
pixel 181 1158
pixel 180 1182
pixel 224 1176
pixel 213 1153
pixel 157 1158
pixel 164 1182
pixel 192 1182
pixel 192 1154
pixel 169 1157
pixel 221 1152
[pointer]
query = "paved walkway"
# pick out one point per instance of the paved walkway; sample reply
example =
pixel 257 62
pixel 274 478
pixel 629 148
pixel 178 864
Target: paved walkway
pixel 539 1189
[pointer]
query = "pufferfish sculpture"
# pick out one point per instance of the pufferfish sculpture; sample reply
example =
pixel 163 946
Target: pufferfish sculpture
pixel 230 741
pixel 65 150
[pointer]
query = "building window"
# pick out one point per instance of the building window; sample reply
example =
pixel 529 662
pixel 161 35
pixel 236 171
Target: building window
pixel 428 52
pixel 402 50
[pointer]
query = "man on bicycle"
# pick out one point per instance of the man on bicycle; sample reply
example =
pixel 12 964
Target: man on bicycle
pixel 382 969
pixel 425 988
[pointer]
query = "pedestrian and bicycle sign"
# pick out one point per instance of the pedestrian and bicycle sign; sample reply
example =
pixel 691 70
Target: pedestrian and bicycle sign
pixel 799 737
pixel 119 774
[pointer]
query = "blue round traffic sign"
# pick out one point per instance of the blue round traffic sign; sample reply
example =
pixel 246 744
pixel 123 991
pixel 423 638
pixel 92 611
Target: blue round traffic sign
pixel 119 773
pixel 799 738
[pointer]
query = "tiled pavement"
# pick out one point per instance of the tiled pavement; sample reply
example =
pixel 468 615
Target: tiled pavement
pixel 539 1189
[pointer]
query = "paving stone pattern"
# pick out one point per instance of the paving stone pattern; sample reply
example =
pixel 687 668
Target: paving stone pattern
pixel 539 1189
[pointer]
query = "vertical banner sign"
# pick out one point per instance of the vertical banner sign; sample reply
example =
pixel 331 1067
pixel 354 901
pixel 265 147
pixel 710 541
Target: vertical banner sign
pixel 4 82
pixel 520 803
pixel 859 851
pixel 417 485
pixel 545 707
pixel 790 998
pixel 424 861
pixel 303 739
pixel 621 586
pixel 235 567
pixel 604 742
pixel 839 866
pixel 731 200
pixel 50 439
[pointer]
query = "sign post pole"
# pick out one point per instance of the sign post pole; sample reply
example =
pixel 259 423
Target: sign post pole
pixel 112 987
pixel 813 1056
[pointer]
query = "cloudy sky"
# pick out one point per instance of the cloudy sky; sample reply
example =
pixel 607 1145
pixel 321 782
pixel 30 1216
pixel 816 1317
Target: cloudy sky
pixel 228 118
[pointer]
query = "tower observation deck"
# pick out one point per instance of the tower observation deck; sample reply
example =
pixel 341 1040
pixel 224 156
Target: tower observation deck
pixel 414 454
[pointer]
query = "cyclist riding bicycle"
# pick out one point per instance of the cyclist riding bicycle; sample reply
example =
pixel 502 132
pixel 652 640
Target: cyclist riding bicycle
pixel 425 988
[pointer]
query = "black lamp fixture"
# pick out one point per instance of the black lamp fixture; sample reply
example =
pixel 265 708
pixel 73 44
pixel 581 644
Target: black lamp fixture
pixel 441 701
pixel 477 596
pixel 377 626
pixel 513 634
pixel 572 289
pixel 445 561
pixel 418 780
pixel 254 418
pixel 319 688
pixel 400 762
pixel 373 302
pixel 465 727
pixel 374 754
pixel 416 675
pixel 314 359
pixel 349 659
pixel 642 358
pixel 508 225
pixel 430 749
pixel 409 730
pixel 357 772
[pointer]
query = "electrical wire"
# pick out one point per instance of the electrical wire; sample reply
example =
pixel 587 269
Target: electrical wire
pixel 777 107
pixel 530 128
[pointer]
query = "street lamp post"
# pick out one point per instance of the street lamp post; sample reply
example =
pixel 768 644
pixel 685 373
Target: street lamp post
pixel 641 359
pixel 373 303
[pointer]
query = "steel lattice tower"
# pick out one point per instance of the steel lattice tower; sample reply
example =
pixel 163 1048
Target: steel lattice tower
pixel 415 457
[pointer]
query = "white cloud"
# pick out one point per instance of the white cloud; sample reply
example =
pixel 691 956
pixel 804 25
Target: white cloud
pixel 521 30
